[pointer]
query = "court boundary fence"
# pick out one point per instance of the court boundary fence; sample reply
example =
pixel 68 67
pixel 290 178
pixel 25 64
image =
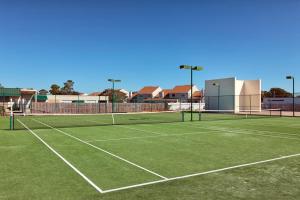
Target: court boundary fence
pixel 94 108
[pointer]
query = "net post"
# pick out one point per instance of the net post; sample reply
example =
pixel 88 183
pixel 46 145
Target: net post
pixel 200 116
pixel 11 122
pixel 280 112
pixel 182 116
pixel 11 118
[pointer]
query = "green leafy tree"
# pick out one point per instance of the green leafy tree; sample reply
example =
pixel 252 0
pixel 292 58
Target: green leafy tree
pixel 68 88
pixel 55 89
pixel 276 92
pixel 119 96
pixel 43 92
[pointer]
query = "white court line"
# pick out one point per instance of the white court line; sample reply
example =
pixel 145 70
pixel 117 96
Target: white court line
pixel 63 159
pixel 202 173
pixel 248 132
pixel 152 136
pixel 123 126
pixel 174 178
pixel 215 128
pixel 272 132
pixel 113 118
pixel 107 152
pixel 248 123
pixel 136 129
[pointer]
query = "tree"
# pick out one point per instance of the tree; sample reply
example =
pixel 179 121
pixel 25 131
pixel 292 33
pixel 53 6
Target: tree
pixel 120 97
pixel 55 89
pixel 43 92
pixel 1 86
pixel 68 88
pixel 276 92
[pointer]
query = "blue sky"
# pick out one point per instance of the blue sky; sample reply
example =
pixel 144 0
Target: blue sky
pixel 142 42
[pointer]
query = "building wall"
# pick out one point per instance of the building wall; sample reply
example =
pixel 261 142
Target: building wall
pixel 156 92
pixel 250 96
pixel 140 97
pixel 185 95
pixel 70 98
pixel 234 94
pixel 238 99
pixel 278 100
pixel 226 99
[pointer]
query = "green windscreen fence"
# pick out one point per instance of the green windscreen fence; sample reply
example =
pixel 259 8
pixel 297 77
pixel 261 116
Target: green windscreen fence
pixel 10 92
pixel 42 97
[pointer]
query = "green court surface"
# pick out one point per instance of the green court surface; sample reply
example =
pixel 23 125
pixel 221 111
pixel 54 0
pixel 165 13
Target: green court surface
pixel 243 158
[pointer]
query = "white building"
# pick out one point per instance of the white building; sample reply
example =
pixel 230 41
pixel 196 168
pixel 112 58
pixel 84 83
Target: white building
pixel 183 92
pixel 148 92
pixel 233 94
pixel 75 98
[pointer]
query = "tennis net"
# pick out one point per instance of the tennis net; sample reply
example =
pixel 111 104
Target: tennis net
pixel 212 115
pixel 84 120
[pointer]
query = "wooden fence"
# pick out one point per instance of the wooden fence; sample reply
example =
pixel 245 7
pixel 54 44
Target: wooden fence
pixel 93 108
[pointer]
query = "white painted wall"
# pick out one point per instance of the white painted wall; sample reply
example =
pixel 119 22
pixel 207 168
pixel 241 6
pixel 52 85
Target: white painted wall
pixel 185 106
pixel 234 94
pixel 283 101
pixel 70 98
pixel 227 92
pixel 156 92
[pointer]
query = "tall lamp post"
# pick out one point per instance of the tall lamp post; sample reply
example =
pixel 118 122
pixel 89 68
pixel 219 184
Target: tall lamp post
pixel 218 85
pixel 192 68
pixel 113 81
pixel 292 78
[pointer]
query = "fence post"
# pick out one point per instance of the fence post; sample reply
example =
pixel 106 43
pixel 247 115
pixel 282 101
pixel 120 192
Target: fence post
pixel 55 106
pixel 180 105
pixel 250 104
pixel 99 105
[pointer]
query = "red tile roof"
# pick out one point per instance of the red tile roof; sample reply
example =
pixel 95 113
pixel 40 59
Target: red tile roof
pixel 148 89
pixel 95 94
pixel 27 91
pixel 165 92
pixel 181 89
pixel 134 95
pixel 197 94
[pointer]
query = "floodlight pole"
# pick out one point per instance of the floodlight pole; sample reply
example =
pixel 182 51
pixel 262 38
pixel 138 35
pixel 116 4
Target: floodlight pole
pixel 293 97
pixel 218 85
pixel 192 68
pixel 191 93
pixel 113 94
pixel 291 77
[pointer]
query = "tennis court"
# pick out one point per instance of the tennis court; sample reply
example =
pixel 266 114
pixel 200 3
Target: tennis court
pixel 140 150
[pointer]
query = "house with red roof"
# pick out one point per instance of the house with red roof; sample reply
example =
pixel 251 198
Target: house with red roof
pixel 184 93
pixel 165 93
pixel 178 93
pixel 147 92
